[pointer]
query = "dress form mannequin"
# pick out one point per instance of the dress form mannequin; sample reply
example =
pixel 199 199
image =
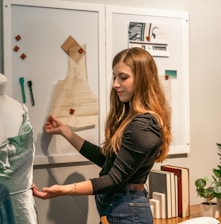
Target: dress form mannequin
pixel 17 156
pixel 10 113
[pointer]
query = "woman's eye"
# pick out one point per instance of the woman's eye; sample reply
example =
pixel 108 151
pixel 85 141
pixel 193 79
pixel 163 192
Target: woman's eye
pixel 123 77
pixel 120 77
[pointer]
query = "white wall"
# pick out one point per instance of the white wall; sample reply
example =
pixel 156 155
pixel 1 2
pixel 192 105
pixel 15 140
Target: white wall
pixel 69 209
pixel 205 108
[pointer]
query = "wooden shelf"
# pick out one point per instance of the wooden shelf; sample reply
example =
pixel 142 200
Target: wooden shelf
pixel 194 212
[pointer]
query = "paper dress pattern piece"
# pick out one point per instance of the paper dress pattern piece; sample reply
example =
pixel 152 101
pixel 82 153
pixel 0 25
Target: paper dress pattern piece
pixel 73 101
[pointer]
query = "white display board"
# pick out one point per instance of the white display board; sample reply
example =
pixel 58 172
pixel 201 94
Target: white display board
pixel 43 27
pixel 174 62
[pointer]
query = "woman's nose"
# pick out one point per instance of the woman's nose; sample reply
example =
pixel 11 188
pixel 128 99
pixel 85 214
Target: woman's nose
pixel 116 83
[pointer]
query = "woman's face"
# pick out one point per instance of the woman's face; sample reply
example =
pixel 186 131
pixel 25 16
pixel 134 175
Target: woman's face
pixel 123 82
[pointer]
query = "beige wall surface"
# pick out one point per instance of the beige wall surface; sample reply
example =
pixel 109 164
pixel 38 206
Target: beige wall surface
pixel 205 110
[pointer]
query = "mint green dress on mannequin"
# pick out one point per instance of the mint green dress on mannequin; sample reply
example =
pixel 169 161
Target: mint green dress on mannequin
pixel 16 172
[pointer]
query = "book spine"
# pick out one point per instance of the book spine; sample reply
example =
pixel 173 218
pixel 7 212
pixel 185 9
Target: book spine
pixel 179 187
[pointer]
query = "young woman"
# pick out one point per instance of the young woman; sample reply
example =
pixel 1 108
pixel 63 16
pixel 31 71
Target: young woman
pixel 137 134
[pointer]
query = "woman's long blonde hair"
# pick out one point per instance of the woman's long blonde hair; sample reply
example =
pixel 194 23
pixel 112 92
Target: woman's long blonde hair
pixel 148 97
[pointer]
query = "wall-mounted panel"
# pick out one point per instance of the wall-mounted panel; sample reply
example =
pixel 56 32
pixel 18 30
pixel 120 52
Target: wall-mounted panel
pixel 42 27
pixel 171 53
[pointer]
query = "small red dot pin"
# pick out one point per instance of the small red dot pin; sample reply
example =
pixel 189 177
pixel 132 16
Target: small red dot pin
pixel 18 37
pixel 23 56
pixel 16 48
pixel 166 77
pixel 71 111
pixel 81 50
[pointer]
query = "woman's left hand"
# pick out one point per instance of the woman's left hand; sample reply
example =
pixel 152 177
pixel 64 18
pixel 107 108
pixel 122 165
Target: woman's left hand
pixel 47 192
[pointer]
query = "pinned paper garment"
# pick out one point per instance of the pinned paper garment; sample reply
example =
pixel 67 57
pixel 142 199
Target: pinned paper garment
pixel 73 101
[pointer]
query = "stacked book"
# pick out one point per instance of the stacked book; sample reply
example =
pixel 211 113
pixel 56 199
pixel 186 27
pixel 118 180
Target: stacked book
pixel 169 192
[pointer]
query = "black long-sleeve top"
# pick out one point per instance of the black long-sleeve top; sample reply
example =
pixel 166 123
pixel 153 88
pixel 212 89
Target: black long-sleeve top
pixel 140 145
